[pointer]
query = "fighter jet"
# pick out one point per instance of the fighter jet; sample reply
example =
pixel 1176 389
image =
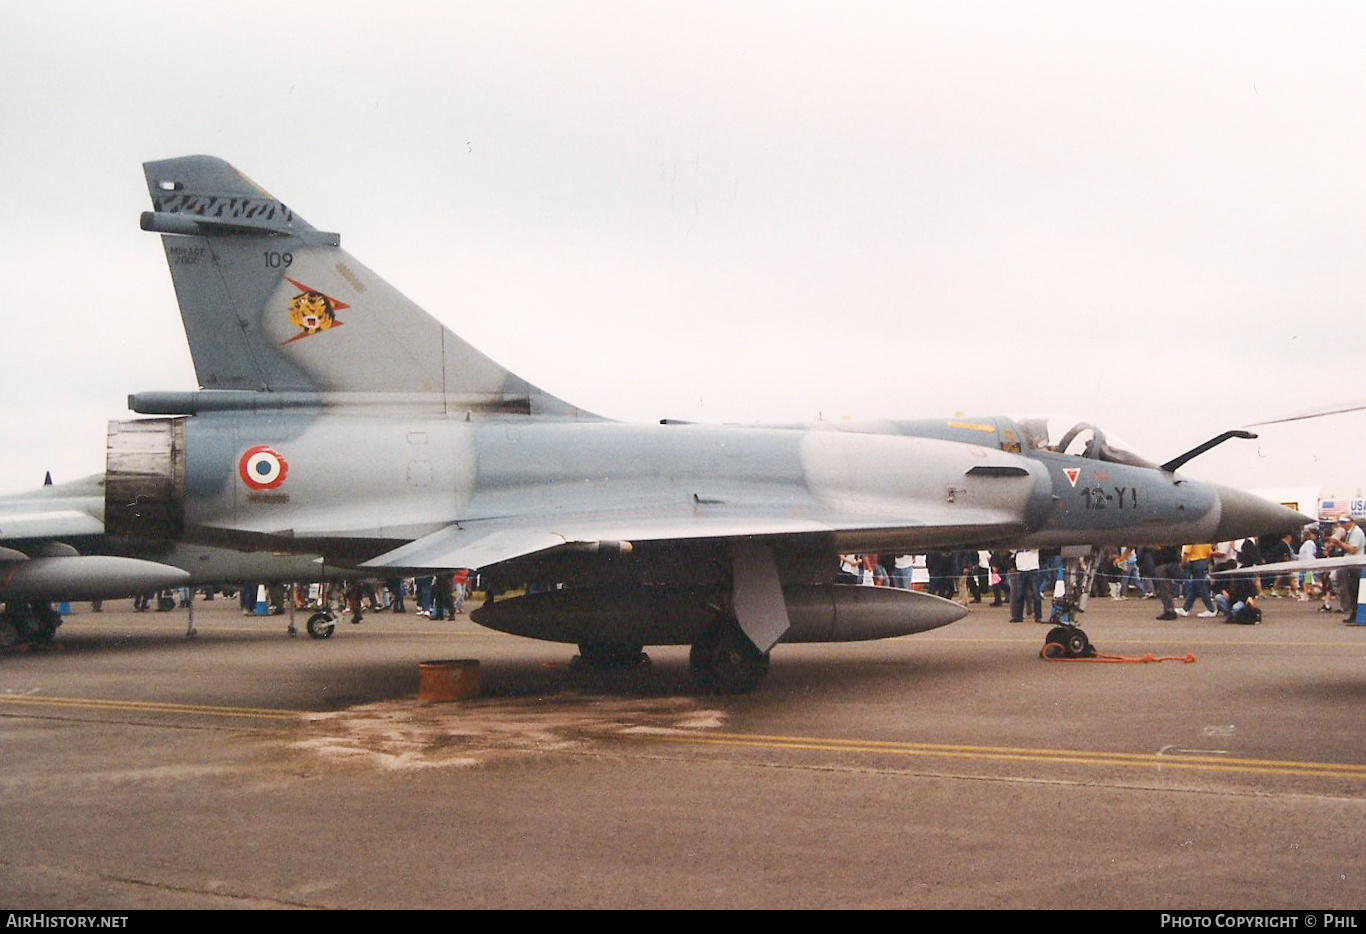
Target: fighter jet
pixel 335 417
pixel 55 549
pixel 39 563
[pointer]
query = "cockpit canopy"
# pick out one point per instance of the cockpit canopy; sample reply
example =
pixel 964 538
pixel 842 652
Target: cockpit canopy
pixel 1066 435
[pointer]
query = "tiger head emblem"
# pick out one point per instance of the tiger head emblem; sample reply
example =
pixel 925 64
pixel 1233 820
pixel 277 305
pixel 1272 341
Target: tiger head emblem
pixel 312 312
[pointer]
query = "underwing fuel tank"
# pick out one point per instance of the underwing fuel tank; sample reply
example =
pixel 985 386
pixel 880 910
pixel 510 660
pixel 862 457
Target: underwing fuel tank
pixel 677 616
pixel 85 577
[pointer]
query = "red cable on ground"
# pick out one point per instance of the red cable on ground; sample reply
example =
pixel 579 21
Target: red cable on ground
pixel 1056 655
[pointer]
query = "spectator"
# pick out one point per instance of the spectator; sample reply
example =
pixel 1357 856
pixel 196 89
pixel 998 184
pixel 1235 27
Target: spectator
pixel 1025 586
pixel 1167 564
pixel 1196 560
pixel 1309 550
pixel 1353 542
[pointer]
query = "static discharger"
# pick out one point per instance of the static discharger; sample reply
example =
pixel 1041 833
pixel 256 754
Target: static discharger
pixel 447 680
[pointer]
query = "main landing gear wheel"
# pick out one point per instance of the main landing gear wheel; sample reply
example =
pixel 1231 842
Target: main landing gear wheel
pixel 45 628
pixel 29 623
pixel 610 657
pixel 724 661
pixel 321 625
pixel 1074 642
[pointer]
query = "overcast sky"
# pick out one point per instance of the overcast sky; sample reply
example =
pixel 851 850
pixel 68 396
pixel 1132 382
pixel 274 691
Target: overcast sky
pixel 1152 215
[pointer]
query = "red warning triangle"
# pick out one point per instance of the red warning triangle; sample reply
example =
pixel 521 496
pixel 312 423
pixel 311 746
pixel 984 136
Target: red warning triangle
pixel 1073 474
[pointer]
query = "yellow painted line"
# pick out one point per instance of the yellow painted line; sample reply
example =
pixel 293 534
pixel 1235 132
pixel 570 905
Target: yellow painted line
pixel 1021 754
pixel 90 703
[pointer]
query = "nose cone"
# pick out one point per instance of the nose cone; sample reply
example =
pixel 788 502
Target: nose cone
pixel 1242 515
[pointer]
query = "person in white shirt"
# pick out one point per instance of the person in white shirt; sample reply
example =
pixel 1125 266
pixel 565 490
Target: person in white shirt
pixel 1353 543
pixel 1025 585
pixel 1309 550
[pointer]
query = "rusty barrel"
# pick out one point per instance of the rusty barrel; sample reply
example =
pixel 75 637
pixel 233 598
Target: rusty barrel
pixel 448 680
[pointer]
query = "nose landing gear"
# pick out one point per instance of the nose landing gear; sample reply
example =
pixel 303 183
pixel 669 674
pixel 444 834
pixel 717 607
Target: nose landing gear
pixel 1067 642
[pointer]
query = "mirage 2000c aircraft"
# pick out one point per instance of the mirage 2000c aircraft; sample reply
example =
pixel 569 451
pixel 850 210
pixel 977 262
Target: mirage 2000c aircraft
pixel 337 418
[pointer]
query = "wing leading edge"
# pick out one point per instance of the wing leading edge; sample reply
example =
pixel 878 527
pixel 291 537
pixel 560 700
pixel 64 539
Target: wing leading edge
pixel 483 543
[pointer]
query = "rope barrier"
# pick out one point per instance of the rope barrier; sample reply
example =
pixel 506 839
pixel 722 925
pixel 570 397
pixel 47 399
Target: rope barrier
pixel 1110 579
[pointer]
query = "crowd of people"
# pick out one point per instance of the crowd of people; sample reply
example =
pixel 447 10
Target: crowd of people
pixel 1178 577
pixel 440 596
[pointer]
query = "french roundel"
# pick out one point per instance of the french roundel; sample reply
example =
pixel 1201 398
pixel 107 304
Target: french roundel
pixel 262 468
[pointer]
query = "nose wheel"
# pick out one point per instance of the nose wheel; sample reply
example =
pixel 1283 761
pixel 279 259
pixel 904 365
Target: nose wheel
pixel 1067 642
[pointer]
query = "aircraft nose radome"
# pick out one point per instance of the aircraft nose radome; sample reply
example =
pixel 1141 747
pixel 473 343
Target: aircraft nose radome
pixel 1242 515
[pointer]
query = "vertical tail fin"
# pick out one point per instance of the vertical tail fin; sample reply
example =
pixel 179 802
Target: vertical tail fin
pixel 272 304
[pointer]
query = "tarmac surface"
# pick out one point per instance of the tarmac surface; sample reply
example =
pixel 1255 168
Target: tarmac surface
pixel 954 768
